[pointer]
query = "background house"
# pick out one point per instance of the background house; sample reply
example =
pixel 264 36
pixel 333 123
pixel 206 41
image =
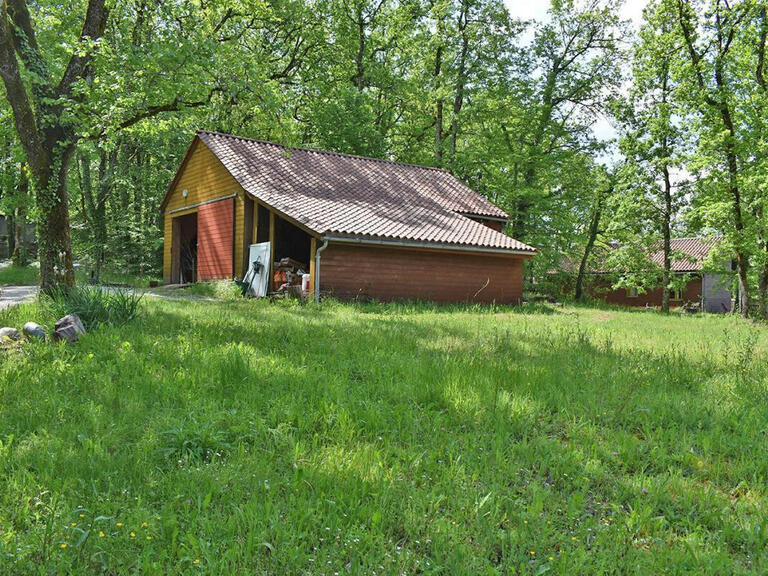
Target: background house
pixel 707 287
pixel 361 227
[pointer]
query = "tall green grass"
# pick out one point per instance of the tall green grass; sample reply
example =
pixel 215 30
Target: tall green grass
pixel 93 305
pixel 245 437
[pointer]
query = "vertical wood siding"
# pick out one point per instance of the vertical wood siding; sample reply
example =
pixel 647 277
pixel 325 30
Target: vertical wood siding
pixel 384 273
pixel 205 178
pixel 214 240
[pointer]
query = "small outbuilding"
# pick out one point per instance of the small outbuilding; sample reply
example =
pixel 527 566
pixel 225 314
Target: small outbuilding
pixel 359 227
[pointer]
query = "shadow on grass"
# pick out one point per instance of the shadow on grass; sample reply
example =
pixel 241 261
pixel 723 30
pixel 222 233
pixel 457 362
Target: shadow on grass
pixel 376 435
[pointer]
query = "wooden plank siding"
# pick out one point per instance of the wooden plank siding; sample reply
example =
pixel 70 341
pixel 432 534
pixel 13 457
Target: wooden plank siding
pixel 215 240
pixel 205 179
pixel 388 273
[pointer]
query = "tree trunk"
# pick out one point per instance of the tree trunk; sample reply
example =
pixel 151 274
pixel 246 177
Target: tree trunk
pixel 56 267
pixel 20 256
pixel 461 78
pixel 667 235
pixel 594 227
pixel 99 217
pixel 762 285
pixel 439 104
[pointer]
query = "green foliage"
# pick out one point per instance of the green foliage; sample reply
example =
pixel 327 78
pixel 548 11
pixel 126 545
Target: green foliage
pixel 253 437
pixel 94 306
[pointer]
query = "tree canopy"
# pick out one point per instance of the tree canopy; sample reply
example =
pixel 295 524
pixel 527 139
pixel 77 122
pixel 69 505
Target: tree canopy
pixel 102 98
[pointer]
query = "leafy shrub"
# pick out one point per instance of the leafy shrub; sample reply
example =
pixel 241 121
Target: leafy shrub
pixel 191 443
pixel 93 305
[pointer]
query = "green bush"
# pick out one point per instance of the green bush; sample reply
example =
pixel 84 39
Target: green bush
pixel 93 305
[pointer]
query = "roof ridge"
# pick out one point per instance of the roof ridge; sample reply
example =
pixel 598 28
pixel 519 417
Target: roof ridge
pixel 704 237
pixel 318 151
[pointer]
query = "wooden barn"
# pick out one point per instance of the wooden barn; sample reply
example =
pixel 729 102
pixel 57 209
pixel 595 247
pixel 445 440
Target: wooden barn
pixel 359 227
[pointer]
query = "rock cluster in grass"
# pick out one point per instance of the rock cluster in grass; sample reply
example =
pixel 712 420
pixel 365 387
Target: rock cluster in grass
pixel 69 328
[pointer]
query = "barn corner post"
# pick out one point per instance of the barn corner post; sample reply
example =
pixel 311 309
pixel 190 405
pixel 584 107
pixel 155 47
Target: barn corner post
pixel 318 252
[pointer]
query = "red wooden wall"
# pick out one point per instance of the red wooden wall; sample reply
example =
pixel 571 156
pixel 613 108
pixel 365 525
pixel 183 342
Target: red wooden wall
pixel 215 231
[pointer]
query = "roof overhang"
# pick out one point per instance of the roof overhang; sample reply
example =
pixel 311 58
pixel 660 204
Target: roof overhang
pixel 393 242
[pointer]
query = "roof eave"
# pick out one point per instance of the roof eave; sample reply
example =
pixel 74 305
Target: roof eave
pixel 404 243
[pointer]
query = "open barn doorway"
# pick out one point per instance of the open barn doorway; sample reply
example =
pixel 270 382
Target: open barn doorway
pixel 291 250
pixel 184 249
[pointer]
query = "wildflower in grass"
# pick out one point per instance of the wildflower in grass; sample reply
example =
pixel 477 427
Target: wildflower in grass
pixel 101 534
pixel 133 534
pixel 149 536
pixel 143 524
pixel 63 545
pixel 574 538
pixel 119 524
pixel 533 552
pixel 551 558
pixel 73 524
pixel 196 561
pixel 82 516
pixel 525 521
pixel 700 464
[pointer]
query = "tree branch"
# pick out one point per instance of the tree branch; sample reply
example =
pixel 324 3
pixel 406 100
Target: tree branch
pixel 174 105
pixel 16 93
pixel 25 41
pixel 694 55
pixel 93 27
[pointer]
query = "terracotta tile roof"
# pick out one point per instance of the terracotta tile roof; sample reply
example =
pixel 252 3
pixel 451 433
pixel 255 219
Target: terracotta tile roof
pixel 332 193
pixel 695 251
pixel 691 254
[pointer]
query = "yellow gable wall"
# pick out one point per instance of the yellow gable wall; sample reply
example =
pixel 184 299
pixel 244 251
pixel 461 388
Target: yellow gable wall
pixel 205 178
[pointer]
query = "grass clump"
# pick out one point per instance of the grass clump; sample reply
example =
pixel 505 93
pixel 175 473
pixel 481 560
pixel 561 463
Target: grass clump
pixel 221 289
pixel 253 437
pixel 94 306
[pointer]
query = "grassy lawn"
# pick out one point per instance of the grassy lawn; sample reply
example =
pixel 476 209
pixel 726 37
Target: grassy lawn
pixel 19 275
pixel 30 275
pixel 254 438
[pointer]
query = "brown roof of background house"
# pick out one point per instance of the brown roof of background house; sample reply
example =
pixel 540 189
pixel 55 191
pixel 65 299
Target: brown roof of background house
pixel 695 249
pixel 332 193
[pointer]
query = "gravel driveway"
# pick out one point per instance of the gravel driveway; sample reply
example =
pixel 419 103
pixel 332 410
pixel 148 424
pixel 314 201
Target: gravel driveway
pixel 13 295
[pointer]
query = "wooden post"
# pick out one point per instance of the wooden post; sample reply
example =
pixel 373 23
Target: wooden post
pixel 272 250
pixel 312 252
pixel 255 233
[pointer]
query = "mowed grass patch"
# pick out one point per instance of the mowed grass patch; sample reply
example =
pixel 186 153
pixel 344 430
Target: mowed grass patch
pixel 19 275
pixel 250 437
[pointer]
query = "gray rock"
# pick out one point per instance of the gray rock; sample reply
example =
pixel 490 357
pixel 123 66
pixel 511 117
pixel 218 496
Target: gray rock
pixel 68 328
pixel 33 330
pixel 7 334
